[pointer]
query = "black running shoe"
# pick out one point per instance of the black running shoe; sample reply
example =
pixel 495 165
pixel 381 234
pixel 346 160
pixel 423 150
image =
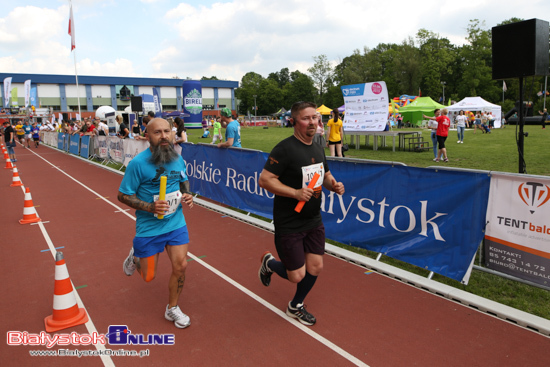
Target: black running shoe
pixel 301 314
pixel 265 273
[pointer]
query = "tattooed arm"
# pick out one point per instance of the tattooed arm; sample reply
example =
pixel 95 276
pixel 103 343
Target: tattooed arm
pixel 157 207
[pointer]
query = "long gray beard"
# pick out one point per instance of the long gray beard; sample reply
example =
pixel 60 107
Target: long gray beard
pixel 161 155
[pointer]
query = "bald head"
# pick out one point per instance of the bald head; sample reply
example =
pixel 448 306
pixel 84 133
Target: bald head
pixel 152 124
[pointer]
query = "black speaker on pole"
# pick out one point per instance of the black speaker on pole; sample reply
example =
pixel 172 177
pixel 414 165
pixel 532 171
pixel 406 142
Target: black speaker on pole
pixel 136 103
pixel 520 49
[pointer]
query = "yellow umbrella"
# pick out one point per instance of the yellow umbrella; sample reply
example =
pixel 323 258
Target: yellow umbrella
pixel 324 110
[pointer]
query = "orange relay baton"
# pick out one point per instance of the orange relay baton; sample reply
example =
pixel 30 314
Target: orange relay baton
pixel 162 193
pixel 311 185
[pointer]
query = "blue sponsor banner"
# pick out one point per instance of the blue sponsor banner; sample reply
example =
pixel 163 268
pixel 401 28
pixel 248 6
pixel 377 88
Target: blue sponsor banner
pixel 60 140
pixel 433 219
pixel 229 176
pixel 85 146
pixel 74 143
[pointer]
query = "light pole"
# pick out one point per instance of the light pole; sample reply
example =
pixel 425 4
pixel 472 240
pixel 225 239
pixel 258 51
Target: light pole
pixel 255 108
pixel 443 84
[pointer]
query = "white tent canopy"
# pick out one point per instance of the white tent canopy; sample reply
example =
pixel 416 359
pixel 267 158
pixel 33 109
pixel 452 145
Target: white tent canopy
pixel 475 104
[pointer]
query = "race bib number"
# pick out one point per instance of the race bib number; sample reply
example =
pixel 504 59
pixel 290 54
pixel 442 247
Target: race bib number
pixel 309 171
pixel 173 199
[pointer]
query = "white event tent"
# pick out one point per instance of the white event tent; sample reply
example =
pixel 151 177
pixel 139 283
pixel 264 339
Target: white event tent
pixel 475 104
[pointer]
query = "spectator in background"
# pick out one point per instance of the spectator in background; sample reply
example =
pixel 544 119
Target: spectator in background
pixel 9 140
pixel 217 131
pixel 461 121
pixel 544 114
pixel 123 132
pixel 477 121
pixel 232 131
pixel 335 133
pixel 433 126
pixel 90 128
pixel 102 129
pixel 204 124
pixel 181 133
pixel 144 123
pixel 443 125
pixel 319 137
pixel 136 131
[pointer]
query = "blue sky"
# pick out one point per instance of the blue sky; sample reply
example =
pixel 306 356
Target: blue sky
pixel 165 38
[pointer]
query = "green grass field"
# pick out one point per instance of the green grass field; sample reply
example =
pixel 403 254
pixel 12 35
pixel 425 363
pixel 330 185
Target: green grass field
pixel 492 152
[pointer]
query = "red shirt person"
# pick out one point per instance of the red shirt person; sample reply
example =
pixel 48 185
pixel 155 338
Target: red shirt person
pixel 443 125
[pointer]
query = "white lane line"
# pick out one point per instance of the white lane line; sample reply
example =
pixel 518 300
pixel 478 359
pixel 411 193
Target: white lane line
pixel 107 361
pixel 248 292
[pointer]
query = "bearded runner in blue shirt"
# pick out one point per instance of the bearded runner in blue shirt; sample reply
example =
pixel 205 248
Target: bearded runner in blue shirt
pixel 140 190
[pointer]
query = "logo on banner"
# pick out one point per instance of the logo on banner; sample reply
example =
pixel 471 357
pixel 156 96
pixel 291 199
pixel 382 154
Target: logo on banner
pixel 376 88
pixel 534 194
pixel 193 102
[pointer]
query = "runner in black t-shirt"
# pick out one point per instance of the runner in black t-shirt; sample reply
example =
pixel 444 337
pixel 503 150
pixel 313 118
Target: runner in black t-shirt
pixel 299 237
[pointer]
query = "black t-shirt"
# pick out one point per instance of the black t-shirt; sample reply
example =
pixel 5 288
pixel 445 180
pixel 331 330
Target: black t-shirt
pixel 294 163
pixel 122 128
pixel 7 132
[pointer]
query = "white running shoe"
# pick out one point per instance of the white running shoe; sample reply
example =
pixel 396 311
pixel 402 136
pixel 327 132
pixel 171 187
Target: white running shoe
pixel 129 266
pixel 180 319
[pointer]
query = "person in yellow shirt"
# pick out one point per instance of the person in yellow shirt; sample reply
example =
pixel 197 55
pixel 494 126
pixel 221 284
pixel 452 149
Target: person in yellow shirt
pixel 335 133
pixel 20 133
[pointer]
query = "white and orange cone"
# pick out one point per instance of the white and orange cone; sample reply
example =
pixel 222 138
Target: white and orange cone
pixel 29 212
pixel 8 163
pixel 66 313
pixel 16 180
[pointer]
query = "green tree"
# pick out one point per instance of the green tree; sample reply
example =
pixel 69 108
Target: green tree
pixel 281 77
pixel 300 88
pixel 270 98
pixel 476 64
pixel 321 73
pixel 408 68
pixel 437 55
pixel 250 86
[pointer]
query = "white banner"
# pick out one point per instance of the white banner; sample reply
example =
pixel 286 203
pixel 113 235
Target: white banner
pixel 27 92
pixel 101 146
pixel 7 91
pixel 366 106
pixel 132 148
pixel 116 148
pixel 517 237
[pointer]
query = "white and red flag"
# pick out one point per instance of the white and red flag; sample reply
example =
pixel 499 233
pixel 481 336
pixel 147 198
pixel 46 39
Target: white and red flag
pixel 71 29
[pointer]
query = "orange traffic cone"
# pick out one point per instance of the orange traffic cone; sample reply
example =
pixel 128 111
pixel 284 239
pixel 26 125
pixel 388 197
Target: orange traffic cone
pixel 8 163
pixel 29 212
pixel 16 180
pixel 66 313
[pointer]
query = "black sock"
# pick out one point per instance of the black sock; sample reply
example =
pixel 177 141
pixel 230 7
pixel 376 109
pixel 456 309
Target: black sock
pixel 303 288
pixel 277 267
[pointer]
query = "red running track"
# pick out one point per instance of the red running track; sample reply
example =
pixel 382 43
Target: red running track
pixel 362 318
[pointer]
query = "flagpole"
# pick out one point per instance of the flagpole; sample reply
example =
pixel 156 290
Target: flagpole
pixel 545 90
pixel 77 91
pixel 74 54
